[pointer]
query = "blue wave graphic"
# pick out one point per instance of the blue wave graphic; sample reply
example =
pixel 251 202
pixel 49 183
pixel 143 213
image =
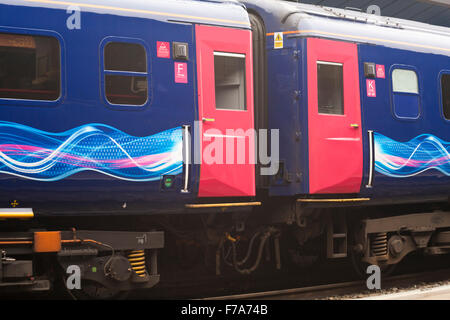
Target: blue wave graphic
pixel 44 156
pixel 407 159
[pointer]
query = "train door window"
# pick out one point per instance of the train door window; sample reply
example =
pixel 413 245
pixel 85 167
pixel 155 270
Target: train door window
pixel 126 77
pixel 445 85
pixel 230 87
pixel 330 87
pixel 30 67
pixel 405 91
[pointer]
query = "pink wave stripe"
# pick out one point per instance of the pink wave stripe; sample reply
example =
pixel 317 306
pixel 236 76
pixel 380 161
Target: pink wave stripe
pixel 15 147
pixel 41 153
pixel 416 163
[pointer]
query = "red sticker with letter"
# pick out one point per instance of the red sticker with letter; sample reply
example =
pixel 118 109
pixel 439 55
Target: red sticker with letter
pixel 371 88
pixel 181 72
pixel 163 49
pixel 380 71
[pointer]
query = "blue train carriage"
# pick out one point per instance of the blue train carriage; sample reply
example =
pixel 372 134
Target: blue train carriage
pixel 98 103
pixel 362 103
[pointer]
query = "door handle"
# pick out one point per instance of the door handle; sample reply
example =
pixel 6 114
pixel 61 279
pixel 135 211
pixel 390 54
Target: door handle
pixel 354 125
pixel 208 119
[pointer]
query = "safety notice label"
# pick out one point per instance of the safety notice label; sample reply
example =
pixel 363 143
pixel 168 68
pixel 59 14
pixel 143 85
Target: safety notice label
pixel 163 49
pixel 381 71
pixel 278 40
pixel 181 72
pixel 371 88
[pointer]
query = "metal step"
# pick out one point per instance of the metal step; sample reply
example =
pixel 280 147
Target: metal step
pixel 336 237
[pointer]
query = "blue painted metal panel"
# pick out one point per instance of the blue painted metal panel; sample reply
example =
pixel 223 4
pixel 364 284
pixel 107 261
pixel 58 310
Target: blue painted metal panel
pixel 82 105
pixel 389 48
pixel 411 155
pixel 224 13
pixel 284 101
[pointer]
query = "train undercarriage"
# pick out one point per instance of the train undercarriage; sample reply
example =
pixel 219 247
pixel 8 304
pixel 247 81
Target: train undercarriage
pixel 109 262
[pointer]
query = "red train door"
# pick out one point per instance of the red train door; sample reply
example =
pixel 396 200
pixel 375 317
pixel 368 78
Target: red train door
pixel 334 117
pixel 225 95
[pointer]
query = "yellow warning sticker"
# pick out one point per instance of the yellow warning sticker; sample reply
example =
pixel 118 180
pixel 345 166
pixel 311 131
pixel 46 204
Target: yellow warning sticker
pixel 278 40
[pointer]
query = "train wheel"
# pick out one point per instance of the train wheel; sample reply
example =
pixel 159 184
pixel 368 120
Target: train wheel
pixel 92 290
pixel 360 267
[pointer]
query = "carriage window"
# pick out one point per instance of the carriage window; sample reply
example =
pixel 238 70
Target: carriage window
pixel 123 56
pixel 330 87
pixel 229 72
pixel 445 84
pixel 126 78
pixel 405 81
pixel 405 90
pixel 30 67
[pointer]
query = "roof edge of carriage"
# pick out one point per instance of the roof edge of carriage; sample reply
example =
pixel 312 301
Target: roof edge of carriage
pixel 297 19
pixel 191 11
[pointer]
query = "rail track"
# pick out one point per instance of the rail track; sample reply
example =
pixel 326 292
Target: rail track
pixel 343 289
pixel 332 281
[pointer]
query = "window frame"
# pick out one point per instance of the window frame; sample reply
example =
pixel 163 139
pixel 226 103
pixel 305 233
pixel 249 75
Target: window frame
pixel 104 72
pixel 62 69
pixel 393 93
pixel 441 96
